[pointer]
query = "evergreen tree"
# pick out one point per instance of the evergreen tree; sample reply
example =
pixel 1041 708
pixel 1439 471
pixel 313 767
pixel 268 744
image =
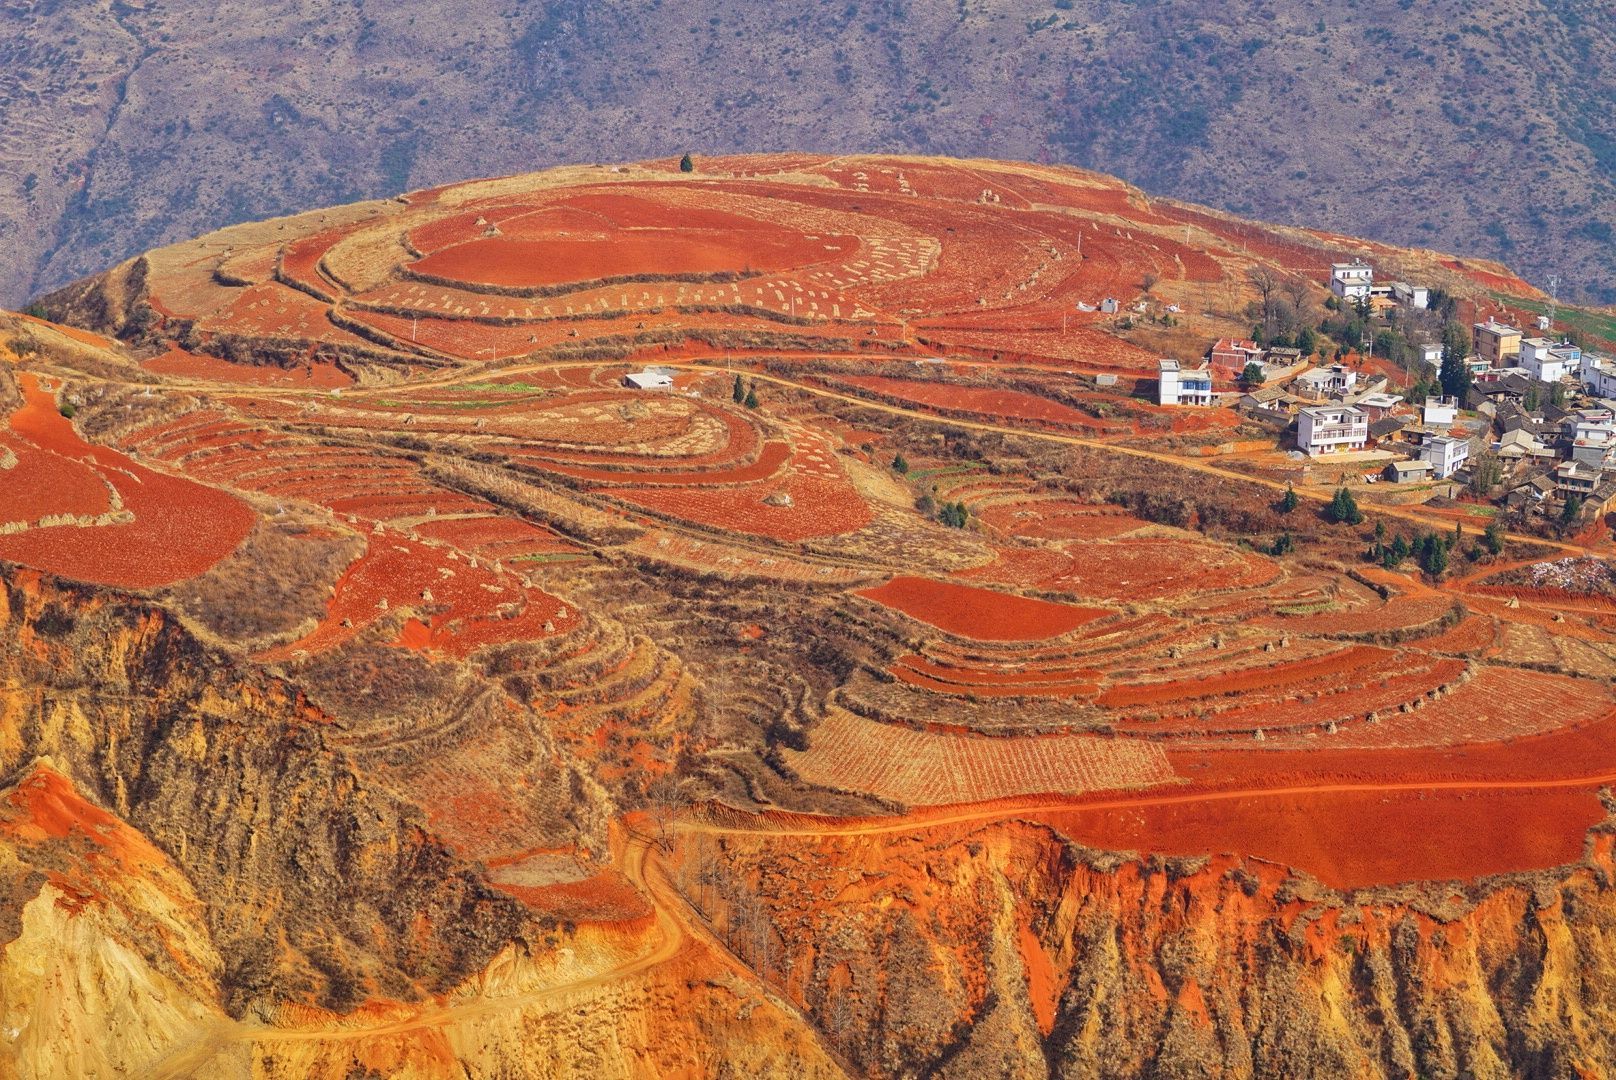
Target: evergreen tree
pixel 1453 375
pixel 751 397
pixel 1252 375
pixel 738 391
pixel 1573 507
pixel 1435 559
pixel 1493 539
pixel 686 164
pixel 1344 508
pixel 1289 501
pixel 900 464
pixel 1400 549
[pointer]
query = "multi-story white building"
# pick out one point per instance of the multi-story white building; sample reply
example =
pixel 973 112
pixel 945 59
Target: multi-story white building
pixel 1177 386
pixel 1351 281
pixel 1549 361
pixel 1330 429
pixel 1598 374
pixel 1445 453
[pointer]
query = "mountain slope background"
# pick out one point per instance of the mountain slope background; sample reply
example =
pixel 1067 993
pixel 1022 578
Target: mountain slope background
pixel 1485 128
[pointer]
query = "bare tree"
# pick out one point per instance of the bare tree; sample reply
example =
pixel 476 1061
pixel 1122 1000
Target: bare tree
pixel 1266 282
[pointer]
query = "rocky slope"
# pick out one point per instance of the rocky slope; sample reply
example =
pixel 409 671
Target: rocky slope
pixel 1478 128
pixel 1008 950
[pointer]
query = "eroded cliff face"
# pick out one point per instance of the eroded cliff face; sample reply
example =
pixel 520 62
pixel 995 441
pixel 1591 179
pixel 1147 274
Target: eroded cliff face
pixel 1005 949
pixel 316 885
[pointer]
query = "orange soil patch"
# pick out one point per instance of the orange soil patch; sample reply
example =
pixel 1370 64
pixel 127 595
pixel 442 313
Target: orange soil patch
pixel 1359 839
pixel 179 363
pixel 180 528
pixel 982 614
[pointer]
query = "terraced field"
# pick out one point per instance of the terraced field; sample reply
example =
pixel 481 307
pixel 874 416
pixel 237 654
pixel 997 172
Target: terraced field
pixel 875 539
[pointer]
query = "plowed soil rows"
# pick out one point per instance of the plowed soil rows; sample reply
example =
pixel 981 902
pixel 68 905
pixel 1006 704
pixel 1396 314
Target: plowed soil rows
pixel 983 614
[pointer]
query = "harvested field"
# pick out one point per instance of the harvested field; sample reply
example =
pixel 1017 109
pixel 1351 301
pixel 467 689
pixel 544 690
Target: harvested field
pixel 849 753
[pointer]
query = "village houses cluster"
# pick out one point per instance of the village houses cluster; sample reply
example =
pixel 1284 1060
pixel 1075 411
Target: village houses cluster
pixel 1539 414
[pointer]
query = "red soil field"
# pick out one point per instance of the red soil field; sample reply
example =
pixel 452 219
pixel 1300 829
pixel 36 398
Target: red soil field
pixel 820 506
pixel 514 263
pixel 982 614
pixel 43 483
pixel 180 528
pixel 473 607
pixel 181 364
pixel 1145 569
pixel 1358 839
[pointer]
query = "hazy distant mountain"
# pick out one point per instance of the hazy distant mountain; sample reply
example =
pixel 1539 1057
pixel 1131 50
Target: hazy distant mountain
pixel 1480 127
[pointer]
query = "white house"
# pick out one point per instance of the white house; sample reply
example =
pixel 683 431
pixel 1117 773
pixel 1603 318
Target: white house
pixel 1598 374
pixel 1430 353
pixel 649 379
pixel 1411 296
pixel 1329 429
pixel 1549 361
pixel 1445 453
pixel 1351 281
pixel 1177 386
pixel 1440 411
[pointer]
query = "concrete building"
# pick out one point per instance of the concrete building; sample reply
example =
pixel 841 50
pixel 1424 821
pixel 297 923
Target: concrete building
pixel 1495 342
pixel 1576 478
pixel 1351 281
pixel 649 379
pixel 1331 429
pixel 1323 381
pixel 1411 296
pixel 1598 374
pixel 1177 386
pixel 1549 361
pixel 1446 454
pixel 1439 411
pixel 1430 353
